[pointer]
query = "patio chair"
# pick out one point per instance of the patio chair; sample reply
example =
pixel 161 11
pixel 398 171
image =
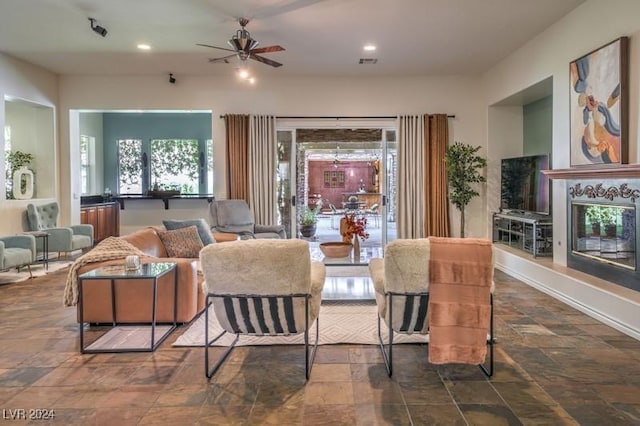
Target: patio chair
pixel 374 212
pixel 262 287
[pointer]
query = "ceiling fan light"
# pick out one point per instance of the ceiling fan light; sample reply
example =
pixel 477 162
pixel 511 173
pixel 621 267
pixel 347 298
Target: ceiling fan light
pixel 243 73
pixel 251 80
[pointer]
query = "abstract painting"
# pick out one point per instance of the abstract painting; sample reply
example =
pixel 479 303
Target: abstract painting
pixel 599 106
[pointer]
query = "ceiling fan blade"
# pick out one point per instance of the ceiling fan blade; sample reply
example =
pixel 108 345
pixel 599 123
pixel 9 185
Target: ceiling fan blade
pixel 268 49
pixel 224 59
pixel 214 47
pixel 265 60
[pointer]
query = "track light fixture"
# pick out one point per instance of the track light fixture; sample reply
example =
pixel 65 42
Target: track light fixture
pixel 97 28
pixel 172 79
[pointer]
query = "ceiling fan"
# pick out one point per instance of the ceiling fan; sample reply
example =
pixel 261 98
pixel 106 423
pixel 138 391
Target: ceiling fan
pixel 244 47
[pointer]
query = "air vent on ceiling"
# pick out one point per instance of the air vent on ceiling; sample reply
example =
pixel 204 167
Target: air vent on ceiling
pixel 370 61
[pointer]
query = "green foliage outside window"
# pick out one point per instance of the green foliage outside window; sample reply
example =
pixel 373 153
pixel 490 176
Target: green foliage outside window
pixel 130 166
pixel 174 165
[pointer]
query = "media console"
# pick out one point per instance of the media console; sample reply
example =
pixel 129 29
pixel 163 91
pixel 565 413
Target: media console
pixel 530 232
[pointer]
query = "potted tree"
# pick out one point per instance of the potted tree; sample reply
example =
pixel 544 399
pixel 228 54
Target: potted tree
pixel 463 167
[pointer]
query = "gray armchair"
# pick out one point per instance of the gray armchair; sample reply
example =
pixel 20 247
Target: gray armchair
pixel 234 216
pixel 61 239
pixel 17 251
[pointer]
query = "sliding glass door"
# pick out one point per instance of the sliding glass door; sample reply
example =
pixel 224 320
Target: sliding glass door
pixel 336 171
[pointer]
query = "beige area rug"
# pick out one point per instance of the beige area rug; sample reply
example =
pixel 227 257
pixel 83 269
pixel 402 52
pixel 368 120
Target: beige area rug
pixel 38 270
pixel 340 322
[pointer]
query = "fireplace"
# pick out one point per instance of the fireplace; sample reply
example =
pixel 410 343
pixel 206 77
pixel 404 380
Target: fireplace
pixel 602 230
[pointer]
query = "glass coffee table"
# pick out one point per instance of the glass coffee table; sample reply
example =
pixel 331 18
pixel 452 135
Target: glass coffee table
pixel 129 337
pixel 366 254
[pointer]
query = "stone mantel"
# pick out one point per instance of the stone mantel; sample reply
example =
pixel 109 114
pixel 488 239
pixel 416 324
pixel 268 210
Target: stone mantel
pixel 605 172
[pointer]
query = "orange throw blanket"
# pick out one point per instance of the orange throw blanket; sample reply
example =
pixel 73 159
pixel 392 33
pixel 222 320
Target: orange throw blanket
pixel 460 279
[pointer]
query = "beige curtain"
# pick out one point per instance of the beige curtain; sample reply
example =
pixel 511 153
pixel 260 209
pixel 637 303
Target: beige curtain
pixel 436 135
pixel 262 168
pixel 237 141
pixel 411 157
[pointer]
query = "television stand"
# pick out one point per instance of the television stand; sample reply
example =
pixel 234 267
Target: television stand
pixel 525 231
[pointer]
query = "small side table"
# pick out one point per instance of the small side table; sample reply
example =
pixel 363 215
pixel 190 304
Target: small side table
pixel 44 236
pixel 128 337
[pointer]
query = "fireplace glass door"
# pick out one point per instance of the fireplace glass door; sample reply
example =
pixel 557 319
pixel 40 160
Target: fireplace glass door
pixel 605 232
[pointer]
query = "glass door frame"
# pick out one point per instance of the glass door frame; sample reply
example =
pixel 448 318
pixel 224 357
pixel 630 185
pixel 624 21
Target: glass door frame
pixel 292 124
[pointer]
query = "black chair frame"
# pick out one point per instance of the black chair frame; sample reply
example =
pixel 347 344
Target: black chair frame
pixel 309 356
pixel 387 355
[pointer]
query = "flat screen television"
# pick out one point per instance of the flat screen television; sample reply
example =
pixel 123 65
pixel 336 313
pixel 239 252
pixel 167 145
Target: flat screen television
pixel 523 186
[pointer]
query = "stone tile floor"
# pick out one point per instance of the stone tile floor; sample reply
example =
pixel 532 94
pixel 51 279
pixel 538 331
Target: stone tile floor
pixel 554 366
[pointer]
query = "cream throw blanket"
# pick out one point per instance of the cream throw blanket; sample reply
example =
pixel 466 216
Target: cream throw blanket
pixel 110 248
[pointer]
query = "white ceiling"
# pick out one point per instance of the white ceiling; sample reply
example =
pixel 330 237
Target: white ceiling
pixel 321 37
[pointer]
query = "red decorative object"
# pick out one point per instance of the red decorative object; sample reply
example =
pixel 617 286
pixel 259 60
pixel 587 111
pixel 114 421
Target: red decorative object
pixel 352 225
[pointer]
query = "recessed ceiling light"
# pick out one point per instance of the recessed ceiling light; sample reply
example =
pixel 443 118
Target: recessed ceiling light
pixel 143 46
pixel 369 47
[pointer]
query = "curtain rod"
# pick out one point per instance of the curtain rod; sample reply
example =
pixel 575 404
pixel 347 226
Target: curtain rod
pixel 343 118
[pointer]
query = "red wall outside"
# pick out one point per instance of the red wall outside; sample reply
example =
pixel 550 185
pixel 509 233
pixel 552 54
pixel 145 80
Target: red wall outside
pixel 353 172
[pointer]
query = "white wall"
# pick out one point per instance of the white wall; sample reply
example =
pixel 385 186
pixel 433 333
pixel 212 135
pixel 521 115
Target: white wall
pixel 21 80
pixel 32 132
pixel 590 26
pixel 461 96
pixel 505 129
pixel 549 54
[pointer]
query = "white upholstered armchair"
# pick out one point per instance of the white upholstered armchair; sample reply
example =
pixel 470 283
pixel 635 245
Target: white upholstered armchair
pixel 262 287
pixel 440 287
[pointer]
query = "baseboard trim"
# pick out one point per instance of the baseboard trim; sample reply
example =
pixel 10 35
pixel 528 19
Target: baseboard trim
pixel 573 292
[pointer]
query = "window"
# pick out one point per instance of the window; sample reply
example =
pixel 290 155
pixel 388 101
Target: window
pixel 130 160
pixel 170 164
pixel 86 151
pixel 174 164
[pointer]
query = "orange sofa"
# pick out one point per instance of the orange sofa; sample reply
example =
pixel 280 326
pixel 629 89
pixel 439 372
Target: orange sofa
pixel 134 302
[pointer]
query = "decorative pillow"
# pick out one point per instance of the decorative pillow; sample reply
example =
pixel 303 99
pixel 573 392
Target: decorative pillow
pixel 201 225
pixel 183 242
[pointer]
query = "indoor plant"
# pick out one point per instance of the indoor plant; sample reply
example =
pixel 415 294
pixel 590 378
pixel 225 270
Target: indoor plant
pixel 308 220
pixel 16 160
pixel 352 228
pixel 463 167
